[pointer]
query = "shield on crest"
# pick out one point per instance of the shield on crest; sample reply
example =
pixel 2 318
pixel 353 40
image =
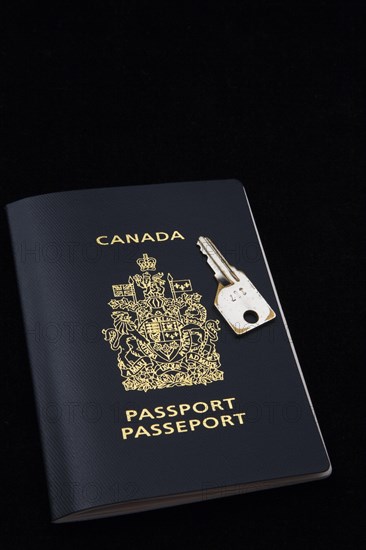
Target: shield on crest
pixel 164 335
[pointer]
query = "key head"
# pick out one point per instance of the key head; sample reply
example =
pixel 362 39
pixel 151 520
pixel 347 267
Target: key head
pixel 242 306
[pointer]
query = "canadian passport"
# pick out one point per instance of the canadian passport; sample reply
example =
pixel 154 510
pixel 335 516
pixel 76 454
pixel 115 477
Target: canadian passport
pixel 145 396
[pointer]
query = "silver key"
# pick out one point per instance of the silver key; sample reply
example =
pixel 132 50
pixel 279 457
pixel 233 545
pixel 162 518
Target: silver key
pixel 237 299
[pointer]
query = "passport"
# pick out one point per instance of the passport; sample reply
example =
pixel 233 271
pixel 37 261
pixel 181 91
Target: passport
pixel 145 396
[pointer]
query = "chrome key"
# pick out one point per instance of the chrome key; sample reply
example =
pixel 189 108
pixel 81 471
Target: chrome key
pixel 237 299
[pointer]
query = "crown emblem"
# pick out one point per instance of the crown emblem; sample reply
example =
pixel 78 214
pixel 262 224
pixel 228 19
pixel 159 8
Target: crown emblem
pixel 146 263
pixel 161 332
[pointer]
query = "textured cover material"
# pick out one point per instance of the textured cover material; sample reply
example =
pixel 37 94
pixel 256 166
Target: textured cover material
pixel 107 362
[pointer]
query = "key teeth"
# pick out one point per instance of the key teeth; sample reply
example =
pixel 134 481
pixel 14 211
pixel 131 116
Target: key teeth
pixel 201 246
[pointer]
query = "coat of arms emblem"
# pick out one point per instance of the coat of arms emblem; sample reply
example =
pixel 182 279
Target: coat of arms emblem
pixel 161 340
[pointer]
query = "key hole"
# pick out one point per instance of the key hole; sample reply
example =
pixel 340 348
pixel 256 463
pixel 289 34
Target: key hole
pixel 250 316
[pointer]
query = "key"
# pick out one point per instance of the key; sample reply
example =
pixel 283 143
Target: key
pixel 237 299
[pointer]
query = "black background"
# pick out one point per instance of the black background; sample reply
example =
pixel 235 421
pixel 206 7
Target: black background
pixel 271 93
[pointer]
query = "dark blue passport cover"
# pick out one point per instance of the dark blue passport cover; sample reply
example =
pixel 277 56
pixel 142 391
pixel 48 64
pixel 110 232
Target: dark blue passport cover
pixel 65 277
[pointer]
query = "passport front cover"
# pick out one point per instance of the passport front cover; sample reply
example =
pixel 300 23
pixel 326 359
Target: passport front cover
pixel 145 396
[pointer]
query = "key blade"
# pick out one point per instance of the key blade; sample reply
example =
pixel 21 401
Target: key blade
pixel 223 271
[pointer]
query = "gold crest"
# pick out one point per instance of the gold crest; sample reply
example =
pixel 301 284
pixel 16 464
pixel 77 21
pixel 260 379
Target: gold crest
pixel 161 341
